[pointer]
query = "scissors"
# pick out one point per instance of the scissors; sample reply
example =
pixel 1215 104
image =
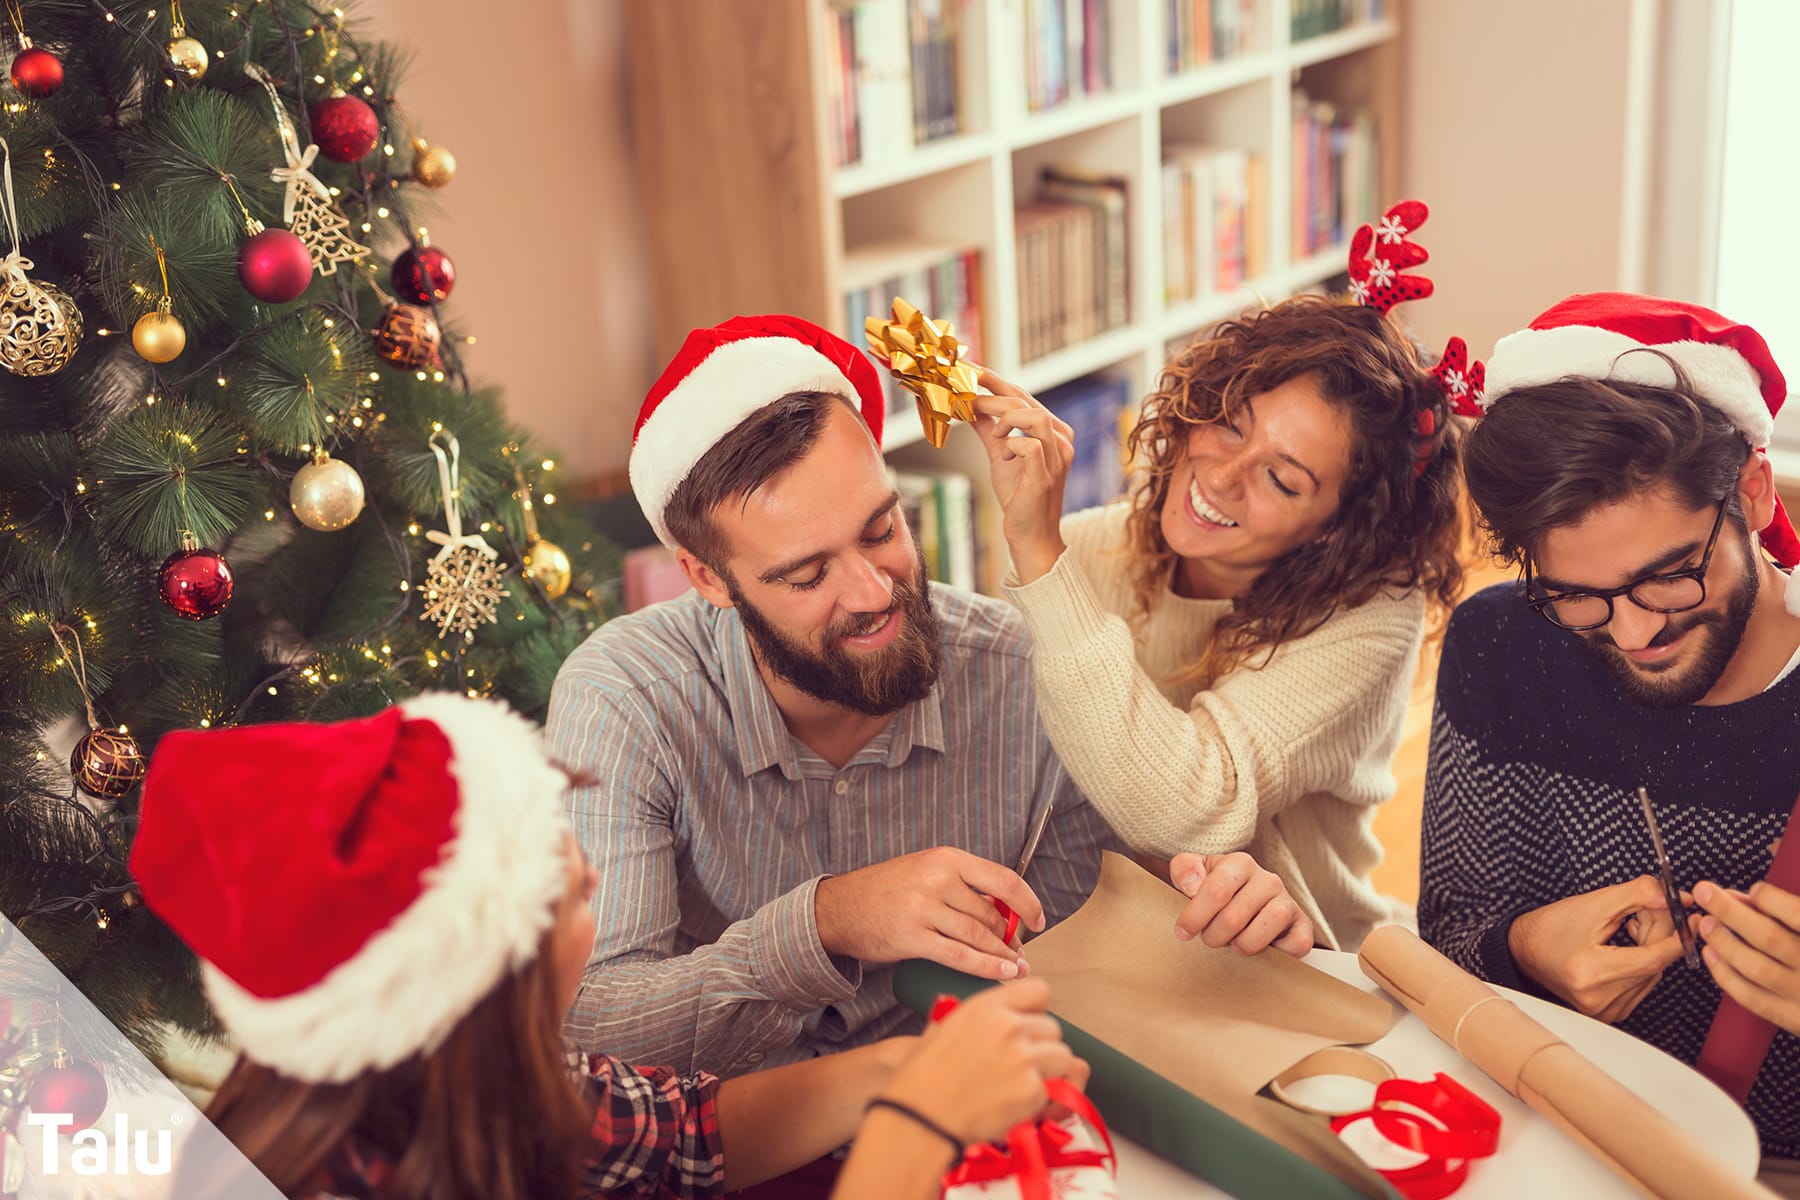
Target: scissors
pixel 1677 910
pixel 1031 844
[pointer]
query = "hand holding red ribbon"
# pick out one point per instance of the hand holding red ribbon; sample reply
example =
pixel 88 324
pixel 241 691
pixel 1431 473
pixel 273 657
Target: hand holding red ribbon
pixel 1034 1149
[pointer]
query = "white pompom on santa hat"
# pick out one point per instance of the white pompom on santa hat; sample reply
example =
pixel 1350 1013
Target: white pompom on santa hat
pixel 354 890
pixel 1594 336
pixel 723 375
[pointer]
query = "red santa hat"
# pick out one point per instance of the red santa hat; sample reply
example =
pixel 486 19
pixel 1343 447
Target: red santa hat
pixel 723 375
pixel 1592 336
pixel 354 890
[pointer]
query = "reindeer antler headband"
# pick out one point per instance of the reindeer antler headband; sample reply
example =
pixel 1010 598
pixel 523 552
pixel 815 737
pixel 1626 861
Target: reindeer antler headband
pixel 1380 256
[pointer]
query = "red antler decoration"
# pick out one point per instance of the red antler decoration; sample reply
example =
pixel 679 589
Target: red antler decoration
pixel 1379 257
pixel 1463 381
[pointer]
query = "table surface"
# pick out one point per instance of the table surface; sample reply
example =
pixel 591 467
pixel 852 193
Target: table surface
pixel 1535 1159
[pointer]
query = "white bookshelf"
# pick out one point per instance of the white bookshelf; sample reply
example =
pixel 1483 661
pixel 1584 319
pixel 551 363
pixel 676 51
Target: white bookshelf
pixel 768 165
pixel 1241 101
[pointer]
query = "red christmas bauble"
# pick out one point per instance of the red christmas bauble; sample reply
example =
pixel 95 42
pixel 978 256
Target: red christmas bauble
pixel 77 1089
pixel 195 583
pixel 37 73
pixel 345 128
pixel 274 266
pixel 423 275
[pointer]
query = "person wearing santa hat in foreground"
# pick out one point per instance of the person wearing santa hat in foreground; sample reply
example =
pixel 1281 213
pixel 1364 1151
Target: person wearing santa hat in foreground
pixel 817 763
pixel 392 916
pixel 1652 642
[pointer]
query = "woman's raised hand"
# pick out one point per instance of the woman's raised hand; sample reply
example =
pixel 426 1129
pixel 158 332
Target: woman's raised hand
pixel 1030 450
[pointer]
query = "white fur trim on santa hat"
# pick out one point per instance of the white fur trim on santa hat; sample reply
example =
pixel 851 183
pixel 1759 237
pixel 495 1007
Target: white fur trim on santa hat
pixel 482 914
pixel 729 385
pixel 1721 375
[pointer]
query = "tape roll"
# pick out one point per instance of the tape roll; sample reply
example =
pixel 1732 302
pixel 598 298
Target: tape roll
pixel 1332 1060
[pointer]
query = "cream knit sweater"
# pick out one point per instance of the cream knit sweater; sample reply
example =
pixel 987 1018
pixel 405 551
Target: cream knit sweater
pixel 1287 761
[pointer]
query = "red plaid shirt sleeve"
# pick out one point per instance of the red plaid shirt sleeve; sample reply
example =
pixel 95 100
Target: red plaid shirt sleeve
pixel 656 1135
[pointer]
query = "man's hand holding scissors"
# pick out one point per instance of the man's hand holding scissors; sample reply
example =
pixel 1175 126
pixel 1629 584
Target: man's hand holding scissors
pixel 937 904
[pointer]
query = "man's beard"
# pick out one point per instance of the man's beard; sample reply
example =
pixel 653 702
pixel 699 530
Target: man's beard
pixel 1721 633
pixel 876 684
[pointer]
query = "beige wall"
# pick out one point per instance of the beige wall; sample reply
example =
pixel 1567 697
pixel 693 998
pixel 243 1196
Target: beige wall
pixel 1516 140
pixel 542 219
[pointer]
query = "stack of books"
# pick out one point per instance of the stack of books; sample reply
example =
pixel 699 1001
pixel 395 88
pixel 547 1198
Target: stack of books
pixel 1068 50
pixel 892 67
pixel 1314 18
pixel 1207 31
pixel 1336 162
pixel 1215 200
pixel 1073 258
pixel 942 282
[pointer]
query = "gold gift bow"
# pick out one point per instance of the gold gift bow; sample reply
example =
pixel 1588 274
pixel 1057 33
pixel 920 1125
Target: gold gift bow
pixel 926 358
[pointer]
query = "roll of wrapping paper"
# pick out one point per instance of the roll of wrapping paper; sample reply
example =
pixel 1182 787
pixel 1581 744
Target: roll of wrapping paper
pixel 1157 1114
pixel 1738 1040
pixel 1545 1072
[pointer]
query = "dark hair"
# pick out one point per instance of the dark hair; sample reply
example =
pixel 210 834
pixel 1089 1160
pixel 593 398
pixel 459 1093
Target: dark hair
pixel 1548 455
pixel 758 448
pixel 1394 526
pixel 492 1113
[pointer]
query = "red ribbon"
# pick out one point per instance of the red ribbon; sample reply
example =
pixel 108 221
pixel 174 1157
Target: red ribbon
pixel 1443 1120
pixel 1033 1149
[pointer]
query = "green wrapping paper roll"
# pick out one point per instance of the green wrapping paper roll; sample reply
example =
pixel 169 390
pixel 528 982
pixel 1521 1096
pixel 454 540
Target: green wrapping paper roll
pixel 1155 1113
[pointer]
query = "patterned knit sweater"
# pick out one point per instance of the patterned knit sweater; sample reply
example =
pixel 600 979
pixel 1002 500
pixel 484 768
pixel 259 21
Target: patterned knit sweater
pixel 1286 760
pixel 1531 797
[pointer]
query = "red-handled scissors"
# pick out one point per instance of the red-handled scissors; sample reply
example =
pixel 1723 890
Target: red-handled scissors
pixel 1031 844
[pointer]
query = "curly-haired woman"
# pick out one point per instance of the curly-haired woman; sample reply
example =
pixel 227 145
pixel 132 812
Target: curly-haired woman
pixel 1223 660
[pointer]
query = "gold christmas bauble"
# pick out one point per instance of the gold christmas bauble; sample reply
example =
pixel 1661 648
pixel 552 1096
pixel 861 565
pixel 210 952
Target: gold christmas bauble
pixel 548 564
pixel 327 494
pixel 107 763
pixel 189 56
pixel 433 166
pixel 407 336
pixel 158 337
pixel 40 328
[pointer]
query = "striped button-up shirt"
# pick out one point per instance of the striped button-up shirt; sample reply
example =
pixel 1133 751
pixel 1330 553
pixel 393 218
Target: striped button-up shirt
pixel 712 827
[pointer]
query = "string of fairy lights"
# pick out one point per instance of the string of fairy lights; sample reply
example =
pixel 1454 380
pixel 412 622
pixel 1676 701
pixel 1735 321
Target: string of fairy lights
pixel 103 828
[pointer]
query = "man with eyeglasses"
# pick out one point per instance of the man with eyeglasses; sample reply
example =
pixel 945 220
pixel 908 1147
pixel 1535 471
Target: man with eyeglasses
pixel 1650 643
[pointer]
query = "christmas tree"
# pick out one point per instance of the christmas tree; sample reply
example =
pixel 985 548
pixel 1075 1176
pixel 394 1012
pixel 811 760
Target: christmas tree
pixel 243 474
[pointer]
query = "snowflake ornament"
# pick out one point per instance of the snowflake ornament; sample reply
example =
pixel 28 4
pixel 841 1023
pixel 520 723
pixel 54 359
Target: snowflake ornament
pixel 463 590
pixel 1391 231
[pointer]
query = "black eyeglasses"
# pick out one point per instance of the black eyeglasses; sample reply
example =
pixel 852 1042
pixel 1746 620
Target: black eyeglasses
pixel 1672 593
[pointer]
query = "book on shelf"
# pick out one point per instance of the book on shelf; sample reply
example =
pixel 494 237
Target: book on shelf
pixel 1336 157
pixel 1316 18
pixel 1212 228
pixel 893 74
pixel 943 282
pixel 940 507
pixel 1097 408
pixel 1073 260
pixel 1068 50
pixel 1198 32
